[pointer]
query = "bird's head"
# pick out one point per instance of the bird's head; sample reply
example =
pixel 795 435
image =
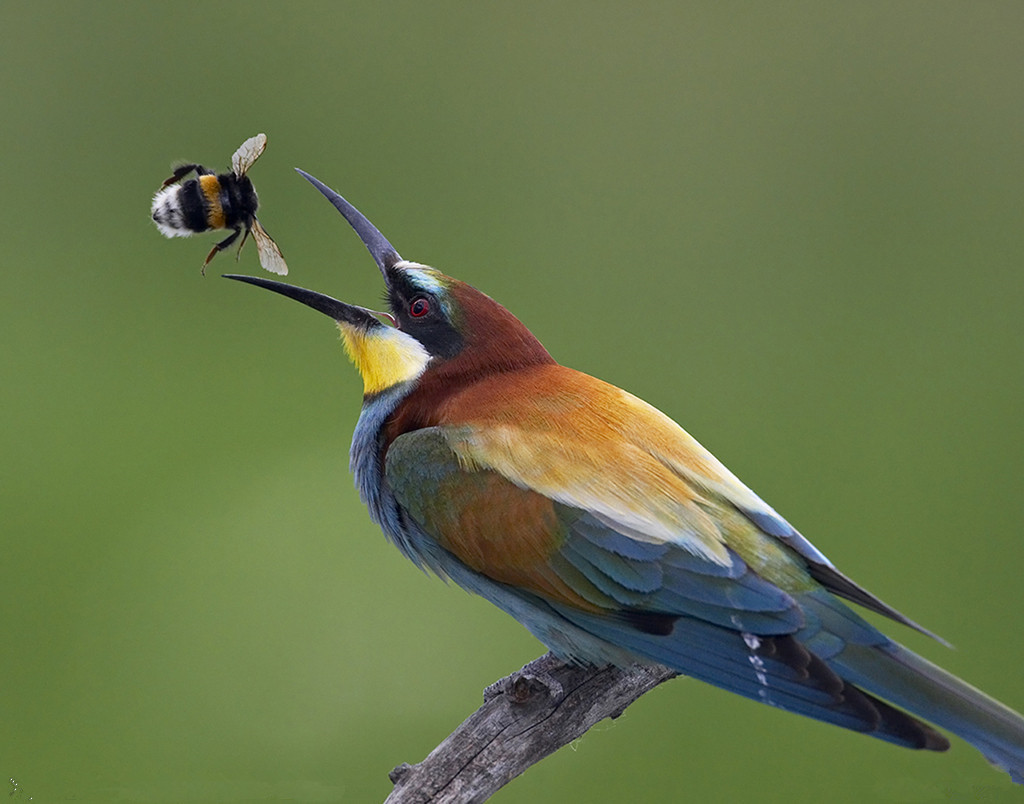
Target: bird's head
pixel 437 325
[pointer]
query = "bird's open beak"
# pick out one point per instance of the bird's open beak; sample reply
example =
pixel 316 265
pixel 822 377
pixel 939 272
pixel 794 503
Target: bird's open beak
pixel 338 310
pixel 384 254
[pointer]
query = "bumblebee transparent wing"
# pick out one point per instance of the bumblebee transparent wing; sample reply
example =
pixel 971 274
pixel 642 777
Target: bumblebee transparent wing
pixel 247 153
pixel 271 257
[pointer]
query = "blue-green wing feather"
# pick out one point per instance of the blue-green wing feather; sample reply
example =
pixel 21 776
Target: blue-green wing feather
pixel 799 649
pixel 722 624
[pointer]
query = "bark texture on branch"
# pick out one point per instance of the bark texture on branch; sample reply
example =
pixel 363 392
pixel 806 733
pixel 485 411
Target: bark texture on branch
pixel 525 717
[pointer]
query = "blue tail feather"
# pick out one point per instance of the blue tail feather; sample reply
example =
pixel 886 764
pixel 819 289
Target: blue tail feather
pixel 912 682
pixel 773 670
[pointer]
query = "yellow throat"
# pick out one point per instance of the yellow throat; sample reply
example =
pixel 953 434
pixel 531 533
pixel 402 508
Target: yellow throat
pixel 384 356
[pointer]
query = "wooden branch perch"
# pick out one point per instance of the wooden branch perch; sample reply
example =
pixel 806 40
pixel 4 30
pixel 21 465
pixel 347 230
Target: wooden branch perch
pixel 525 717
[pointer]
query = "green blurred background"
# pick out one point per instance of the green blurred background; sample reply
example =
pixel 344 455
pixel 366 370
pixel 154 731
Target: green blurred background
pixel 794 227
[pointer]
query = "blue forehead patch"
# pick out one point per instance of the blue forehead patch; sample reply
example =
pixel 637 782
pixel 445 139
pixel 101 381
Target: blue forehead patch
pixel 429 280
pixel 426 279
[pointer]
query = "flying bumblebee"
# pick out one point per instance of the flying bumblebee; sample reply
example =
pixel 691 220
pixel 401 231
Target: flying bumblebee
pixel 218 201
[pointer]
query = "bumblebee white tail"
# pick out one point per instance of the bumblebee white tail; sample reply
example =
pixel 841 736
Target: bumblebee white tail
pixel 167 213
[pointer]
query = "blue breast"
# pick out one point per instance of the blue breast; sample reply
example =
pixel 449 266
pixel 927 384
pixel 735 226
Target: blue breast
pixel 366 461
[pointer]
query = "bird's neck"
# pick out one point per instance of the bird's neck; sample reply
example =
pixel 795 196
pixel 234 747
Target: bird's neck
pixel 425 403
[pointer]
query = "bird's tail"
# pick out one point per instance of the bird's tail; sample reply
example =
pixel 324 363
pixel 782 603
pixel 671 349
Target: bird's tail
pixel 907 680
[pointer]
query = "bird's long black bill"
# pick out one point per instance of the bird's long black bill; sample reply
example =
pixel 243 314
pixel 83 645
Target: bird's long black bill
pixel 338 310
pixel 383 252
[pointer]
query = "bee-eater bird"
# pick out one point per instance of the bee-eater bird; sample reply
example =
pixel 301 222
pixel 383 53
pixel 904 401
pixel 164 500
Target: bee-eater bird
pixel 605 528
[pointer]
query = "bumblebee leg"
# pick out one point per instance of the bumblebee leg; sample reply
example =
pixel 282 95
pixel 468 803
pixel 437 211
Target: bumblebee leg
pixel 180 172
pixel 244 238
pixel 183 170
pixel 223 244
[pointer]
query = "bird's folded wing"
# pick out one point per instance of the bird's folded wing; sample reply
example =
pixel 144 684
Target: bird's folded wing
pixel 719 621
pixel 569 555
pixel 595 498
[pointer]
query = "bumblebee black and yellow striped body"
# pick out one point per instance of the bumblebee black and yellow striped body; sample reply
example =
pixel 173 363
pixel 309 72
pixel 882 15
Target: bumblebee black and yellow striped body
pixel 213 201
pixel 209 202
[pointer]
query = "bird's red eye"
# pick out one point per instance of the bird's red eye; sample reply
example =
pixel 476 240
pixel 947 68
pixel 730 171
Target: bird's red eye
pixel 419 307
